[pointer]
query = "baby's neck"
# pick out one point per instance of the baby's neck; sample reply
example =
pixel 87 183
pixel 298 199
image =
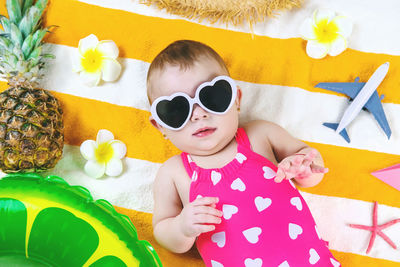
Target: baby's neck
pixel 219 159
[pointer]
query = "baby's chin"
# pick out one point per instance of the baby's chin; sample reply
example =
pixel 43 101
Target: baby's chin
pixel 208 148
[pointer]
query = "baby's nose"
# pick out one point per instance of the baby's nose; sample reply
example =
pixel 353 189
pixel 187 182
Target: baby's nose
pixel 198 113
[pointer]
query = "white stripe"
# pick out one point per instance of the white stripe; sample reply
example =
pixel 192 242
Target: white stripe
pixel 132 189
pixel 299 111
pixel 302 113
pixel 375 25
pixel 333 214
pixel 129 90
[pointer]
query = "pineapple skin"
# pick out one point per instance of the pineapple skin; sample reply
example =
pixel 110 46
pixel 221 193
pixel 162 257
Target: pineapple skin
pixel 31 130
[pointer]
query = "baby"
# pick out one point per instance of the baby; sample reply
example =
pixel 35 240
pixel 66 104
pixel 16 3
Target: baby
pixel 231 189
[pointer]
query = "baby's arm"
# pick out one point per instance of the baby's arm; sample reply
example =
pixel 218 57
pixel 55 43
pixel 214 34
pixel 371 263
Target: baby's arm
pixel 175 227
pixel 296 159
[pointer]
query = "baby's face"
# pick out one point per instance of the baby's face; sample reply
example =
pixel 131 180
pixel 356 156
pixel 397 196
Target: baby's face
pixel 205 133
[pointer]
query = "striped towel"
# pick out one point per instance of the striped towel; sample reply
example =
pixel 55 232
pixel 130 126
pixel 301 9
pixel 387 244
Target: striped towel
pixel 277 79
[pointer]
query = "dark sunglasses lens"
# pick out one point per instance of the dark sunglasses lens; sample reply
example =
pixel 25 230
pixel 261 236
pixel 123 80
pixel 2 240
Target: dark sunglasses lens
pixel 217 97
pixel 175 112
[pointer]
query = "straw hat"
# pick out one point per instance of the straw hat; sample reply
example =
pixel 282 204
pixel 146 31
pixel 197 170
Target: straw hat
pixel 226 11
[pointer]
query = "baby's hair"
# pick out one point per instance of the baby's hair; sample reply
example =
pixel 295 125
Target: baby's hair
pixel 182 53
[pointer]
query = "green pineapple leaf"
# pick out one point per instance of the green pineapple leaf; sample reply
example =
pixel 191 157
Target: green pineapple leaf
pixel 14 11
pixel 10 59
pixel 38 37
pixel 16 35
pixel 4 42
pixel 41 4
pixel 49 56
pixel 29 21
pixel 21 40
pixel 27 46
pixel 35 54
pixel 27 4
pixel 5 22
pixel 18 53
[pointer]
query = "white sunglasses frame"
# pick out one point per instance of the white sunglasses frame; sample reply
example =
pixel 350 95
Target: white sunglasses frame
pixel 192 101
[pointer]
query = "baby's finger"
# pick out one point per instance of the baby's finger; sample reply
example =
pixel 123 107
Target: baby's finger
pixel 201 201
pixel 290 175
pixel 309 157
pixel 204 228
pixel 207 210
pixel 280 175
pixel 284 165
pixel 206 218
pixel 297 160
pixel 318 169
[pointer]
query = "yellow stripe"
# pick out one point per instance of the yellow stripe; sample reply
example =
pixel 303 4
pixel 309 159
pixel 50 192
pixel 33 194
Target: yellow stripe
pixel 84 117
pixel 349 174
pixel 260 59
pixel 354 260
pixel 142 222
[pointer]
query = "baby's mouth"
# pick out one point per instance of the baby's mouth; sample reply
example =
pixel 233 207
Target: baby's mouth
pixel 204 131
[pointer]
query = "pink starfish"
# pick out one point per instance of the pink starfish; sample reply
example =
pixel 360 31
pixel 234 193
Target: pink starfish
pixel 376 229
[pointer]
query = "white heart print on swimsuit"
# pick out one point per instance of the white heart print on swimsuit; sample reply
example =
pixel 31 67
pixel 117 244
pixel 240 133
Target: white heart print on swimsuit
pixel 253 262
pixel 238 185
pixel 262 203
pixel 228 211
pixel 219 239
pixel 252 234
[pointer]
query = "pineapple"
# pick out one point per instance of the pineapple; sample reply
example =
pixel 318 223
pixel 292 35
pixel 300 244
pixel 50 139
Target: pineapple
pixel 31 125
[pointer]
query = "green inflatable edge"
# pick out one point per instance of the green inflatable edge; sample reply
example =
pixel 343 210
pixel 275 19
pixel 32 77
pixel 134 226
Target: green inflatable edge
pixel 58 237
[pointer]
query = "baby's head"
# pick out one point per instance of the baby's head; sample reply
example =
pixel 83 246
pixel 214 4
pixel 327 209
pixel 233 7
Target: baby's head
pixel 210 123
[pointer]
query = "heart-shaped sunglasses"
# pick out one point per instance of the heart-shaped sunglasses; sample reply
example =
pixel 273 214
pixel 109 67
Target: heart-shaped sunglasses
pixel 174 111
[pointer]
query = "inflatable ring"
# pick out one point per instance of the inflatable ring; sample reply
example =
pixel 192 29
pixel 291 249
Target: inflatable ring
pixel 47 222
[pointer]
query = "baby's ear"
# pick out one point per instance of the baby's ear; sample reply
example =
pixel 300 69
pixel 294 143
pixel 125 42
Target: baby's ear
pixel 238 96
pixel 154 123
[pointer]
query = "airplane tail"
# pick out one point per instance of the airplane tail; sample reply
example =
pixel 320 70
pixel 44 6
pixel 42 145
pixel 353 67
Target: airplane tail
pixel 334 126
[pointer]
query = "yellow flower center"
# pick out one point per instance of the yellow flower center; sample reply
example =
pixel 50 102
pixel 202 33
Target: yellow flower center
pixel 326 31
pixel 92 60
pixel 104 152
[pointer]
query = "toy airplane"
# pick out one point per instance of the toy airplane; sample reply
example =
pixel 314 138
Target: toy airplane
pixel 364 96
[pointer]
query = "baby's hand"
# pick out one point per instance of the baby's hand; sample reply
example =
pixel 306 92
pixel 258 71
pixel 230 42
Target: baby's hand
pixel 298 166
pixel 199 216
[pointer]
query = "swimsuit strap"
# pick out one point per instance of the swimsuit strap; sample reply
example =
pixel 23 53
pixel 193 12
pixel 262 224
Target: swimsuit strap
pixel 242 139
pixel 188 163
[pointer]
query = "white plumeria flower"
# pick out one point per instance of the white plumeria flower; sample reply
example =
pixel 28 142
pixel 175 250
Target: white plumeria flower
pixel 97 60
pixel 326 33
pixel 103 155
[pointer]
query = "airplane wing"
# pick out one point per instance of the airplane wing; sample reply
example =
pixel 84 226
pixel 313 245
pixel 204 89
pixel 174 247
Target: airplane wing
pixel 374 105
pixel 349 89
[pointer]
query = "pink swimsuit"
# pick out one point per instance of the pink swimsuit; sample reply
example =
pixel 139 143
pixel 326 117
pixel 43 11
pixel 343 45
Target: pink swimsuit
pixel 264 223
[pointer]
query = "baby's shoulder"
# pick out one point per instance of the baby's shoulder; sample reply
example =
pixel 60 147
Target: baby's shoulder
pixel 260 129
pixel 171 169
pixel 172 164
